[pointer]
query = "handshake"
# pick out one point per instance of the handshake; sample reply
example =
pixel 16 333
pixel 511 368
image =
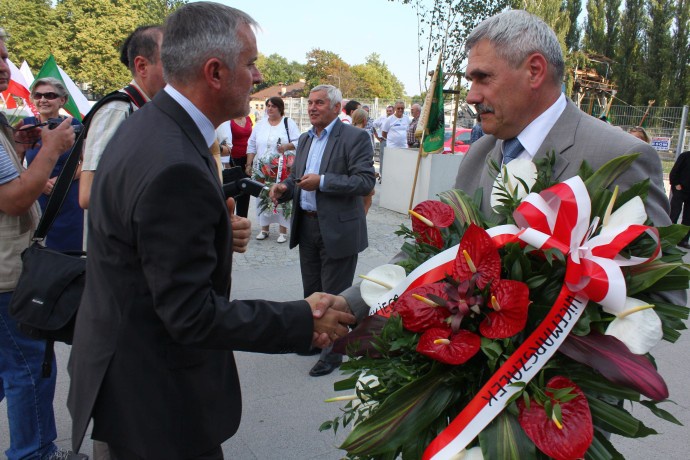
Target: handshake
pixel 332 316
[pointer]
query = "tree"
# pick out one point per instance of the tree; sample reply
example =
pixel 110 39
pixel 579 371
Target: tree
pixel 595 27
pixel 659 53
pixel 32 27
pixel 572 37
pixel 681 49
pixel 276 69
pixel 627 69
pixel 84 35
pixel 328 67
pixel 448 22
pixel 374 79
pixel 613 23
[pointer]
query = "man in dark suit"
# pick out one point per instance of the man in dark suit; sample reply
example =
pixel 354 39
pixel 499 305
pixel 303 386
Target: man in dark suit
pixel 333 170
pixel 516 66
pixel 151 360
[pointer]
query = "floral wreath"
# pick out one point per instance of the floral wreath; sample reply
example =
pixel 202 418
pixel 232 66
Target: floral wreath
pixel 522 340
pixel 270 170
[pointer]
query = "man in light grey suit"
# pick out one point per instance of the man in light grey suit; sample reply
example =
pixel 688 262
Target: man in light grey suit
pixel 333 170
pixel 516 66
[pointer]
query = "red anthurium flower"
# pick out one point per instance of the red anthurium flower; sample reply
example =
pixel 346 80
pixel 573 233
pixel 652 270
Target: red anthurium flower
pixel 441 344
pixel 573 437
pixel 437 213
pixel 482 261
pixel 418 315
pixel 508 305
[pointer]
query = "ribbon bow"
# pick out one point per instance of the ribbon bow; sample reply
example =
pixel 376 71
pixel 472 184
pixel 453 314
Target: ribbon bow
pixel 558 218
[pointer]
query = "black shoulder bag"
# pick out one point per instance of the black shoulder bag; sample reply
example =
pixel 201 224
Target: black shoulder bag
pixel 47 296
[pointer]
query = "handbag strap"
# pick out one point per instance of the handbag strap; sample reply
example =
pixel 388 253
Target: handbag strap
pixel 129 94
pixel 57 197
pixel 287 130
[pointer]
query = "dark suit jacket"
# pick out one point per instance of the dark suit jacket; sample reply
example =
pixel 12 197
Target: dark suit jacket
pixel 348 164
pixel 150 358
pixel 575 137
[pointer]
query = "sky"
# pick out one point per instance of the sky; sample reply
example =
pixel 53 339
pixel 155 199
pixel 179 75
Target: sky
pixel 353 29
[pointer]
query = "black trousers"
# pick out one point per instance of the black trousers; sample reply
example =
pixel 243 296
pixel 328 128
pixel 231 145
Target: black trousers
pixel 321 273
pixel 680 199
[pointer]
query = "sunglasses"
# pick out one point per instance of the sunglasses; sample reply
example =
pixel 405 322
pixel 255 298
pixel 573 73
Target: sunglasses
pixel 48 96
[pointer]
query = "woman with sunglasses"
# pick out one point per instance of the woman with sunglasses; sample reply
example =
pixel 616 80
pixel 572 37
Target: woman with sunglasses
pixel 49 96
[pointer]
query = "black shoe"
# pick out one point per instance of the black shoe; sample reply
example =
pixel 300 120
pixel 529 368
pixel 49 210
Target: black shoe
pixel 684 244
pixel 323 368
pixel 311 352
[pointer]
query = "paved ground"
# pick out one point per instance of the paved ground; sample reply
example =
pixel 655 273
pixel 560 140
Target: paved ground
pixel 283 406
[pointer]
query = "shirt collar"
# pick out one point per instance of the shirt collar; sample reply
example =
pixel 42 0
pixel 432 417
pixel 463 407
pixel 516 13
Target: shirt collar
pixel 534 134
pixel 326 131
pixel 201 121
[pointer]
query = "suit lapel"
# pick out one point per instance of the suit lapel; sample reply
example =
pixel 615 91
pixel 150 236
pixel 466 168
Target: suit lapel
pixel 175 111
pixel 560 139
pixel 302 154
pixel 328 152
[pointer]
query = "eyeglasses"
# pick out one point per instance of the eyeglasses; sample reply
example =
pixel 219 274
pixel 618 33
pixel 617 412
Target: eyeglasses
pixel 48 96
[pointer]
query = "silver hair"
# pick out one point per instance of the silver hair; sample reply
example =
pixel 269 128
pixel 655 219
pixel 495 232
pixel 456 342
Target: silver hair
pixel 515 34
pixel 197 32
pixel 334 95
pixel 400 101
pixel 54 82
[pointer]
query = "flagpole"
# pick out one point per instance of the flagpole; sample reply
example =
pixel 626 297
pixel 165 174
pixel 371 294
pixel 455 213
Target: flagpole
pixel 456 96
pixel 423 121
pixel 416 171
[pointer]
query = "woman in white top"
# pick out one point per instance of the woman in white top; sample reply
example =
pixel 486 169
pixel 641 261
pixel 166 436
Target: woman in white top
pixel 273 134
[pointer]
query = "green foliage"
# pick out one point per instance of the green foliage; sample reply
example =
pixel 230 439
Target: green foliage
pixel 84 35
pixel 595 27
pixel 276 69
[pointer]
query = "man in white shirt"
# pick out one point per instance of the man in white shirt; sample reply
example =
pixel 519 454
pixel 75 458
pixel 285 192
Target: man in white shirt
pixel 395 127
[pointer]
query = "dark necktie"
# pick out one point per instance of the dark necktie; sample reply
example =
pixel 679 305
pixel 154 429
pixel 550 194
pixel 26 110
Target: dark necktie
pixel 512 148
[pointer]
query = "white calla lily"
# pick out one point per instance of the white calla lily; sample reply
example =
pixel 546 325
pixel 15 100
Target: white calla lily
pixel 379 281
pixel 474 453
pixel 637 326
pixel 631 213
pixel 518 168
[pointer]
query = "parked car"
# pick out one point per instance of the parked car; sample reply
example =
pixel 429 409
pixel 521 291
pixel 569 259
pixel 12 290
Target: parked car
pixel 462 140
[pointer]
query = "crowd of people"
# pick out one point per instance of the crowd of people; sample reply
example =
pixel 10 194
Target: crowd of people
pixel 155 326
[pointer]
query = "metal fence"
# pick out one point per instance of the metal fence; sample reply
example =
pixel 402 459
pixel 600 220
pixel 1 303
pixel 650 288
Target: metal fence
pixel 661 123
pixel 665 125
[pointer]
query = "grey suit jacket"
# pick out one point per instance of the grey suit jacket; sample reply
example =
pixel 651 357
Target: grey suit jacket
pixel 575 137
pixel 348 167
pixel 151 359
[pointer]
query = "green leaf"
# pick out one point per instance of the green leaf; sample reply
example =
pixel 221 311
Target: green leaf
pixel 466 209
pixel 646 275
pixel 671 235
pixel 503 438
pixel 661 413
pixel 402 416
pixel 602 449
pixel 617 420
pixel 346 384
pixel 604 176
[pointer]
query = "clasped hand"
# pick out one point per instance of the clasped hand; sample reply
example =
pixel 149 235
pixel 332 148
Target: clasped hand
pixel 332 316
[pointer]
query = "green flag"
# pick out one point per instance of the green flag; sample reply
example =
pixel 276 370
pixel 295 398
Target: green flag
pixel 434 123
pixel 51 69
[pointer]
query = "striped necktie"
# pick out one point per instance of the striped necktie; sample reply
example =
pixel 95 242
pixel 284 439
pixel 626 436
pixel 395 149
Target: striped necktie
pixel 512 148
pixel 215 151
